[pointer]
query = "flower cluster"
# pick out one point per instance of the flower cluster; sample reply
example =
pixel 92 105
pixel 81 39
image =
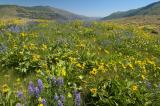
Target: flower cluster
pixel 35 91
pixel 57 82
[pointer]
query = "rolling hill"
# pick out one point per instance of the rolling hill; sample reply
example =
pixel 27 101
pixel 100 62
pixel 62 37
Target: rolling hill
pixel 39 12
pixel 149 10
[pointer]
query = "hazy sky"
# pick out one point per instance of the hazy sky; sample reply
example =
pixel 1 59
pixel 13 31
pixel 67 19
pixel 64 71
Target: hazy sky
pixel 98 8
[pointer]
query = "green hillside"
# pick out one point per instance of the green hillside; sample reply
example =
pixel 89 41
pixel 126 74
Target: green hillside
pixel 38 12
pixel 150 10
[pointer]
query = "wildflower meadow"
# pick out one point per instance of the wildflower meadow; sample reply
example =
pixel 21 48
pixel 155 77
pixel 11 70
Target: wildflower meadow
pixel 76 63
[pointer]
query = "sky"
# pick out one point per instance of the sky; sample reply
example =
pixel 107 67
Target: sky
pixel 93 8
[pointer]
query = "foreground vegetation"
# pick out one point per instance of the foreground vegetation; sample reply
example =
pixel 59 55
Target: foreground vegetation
pixel 44 63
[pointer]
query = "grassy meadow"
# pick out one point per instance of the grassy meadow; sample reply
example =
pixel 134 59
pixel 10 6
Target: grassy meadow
pixel 46 63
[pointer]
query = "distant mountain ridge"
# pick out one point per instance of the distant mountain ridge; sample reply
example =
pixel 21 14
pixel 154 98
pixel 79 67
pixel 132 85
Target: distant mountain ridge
pixel 152 9
pixel 39 12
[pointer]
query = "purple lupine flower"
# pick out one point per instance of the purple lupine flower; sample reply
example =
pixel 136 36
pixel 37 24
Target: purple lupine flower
pixel 60 81
pixel 18 104
pixel 20 94
pixel 56 97
pixel 62 98
pixel 40 84
pixel 149 85
pixel 44 101
pixel 36 92
pixel 60 103
pixel 54 80
pixel 31 88
pixel 77 99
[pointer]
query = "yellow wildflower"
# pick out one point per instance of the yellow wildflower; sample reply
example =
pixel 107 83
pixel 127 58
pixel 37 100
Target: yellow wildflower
pixel 93 72
pixel 72 60
pixel 78 65
pixel 134 88
pixel 80 77
pixel 150 62
pixel 38 71
pixel 44 47
pixel 130 66
pixel 143 77
pixel 25 46
pixel 40 104
pixel 18 80
pixel 35 57
pixel 123 66
pixel 22 34
pixel 63 72
pixel 144 69
pixel 45 65
pixel 39 99
pixel 5 88
pixel 69 95
pixel 32 46
pixel 93 90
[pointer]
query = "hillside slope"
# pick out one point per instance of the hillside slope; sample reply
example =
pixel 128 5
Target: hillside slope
pixel 38 12
pixel 149 10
